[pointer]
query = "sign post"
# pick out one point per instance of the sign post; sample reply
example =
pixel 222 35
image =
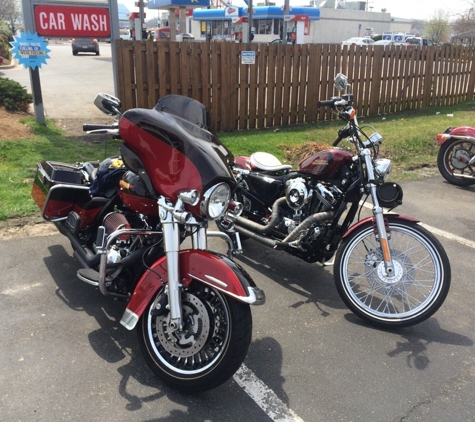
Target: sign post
pixel 31 51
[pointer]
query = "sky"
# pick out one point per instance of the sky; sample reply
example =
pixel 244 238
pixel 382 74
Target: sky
pixel 421 9
pixel 409 9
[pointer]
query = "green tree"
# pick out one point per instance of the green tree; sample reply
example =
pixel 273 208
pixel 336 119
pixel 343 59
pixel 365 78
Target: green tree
pixel 10 12
pixel 438 27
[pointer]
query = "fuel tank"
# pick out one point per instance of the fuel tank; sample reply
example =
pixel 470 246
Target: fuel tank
pixel 326 164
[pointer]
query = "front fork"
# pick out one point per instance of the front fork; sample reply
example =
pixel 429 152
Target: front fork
pixel 382 233
pixel 171 242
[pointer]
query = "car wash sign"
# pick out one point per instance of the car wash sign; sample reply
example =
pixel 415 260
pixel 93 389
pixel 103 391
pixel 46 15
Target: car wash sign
pixel 72 21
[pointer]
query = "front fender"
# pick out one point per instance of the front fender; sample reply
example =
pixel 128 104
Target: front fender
pixel 210 268
pixel 369 219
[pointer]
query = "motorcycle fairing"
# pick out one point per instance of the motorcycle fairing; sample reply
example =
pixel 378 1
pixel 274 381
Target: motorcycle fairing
pixel 211 268
pixel 175 154
pixel 365 220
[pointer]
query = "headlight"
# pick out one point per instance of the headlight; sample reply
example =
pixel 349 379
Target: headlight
pixel 215 201
pixel 382 168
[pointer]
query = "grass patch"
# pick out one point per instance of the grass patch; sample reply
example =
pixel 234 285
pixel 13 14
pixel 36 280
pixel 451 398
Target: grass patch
pixel 18 160
pixel 409 141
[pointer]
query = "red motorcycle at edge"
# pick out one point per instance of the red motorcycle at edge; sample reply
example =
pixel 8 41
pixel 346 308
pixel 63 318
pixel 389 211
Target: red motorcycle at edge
pixel 456 157
pixel 126 219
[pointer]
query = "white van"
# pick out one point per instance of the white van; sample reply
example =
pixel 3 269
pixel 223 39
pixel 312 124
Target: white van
pixel 126 35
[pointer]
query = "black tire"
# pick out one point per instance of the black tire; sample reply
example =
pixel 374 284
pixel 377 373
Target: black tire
pixel 417 291
pixel 75 53
pixel 452 159
pixel 212 346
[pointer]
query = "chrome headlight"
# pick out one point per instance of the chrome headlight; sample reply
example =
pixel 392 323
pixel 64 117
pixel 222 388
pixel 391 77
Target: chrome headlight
pixel 382 168
pixel 215 201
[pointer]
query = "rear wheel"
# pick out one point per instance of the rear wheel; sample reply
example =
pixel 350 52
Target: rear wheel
pixel 453 162
pixel 210 348
pixel 416 291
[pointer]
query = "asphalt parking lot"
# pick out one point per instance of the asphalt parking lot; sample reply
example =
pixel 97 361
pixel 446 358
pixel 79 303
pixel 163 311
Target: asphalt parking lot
pixel 66 357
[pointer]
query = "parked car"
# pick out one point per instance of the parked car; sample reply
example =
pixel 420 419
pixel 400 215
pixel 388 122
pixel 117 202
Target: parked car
pixel 414 41
pixel 358 41
pixel 385 43
pixel 84 45
pixel 126 35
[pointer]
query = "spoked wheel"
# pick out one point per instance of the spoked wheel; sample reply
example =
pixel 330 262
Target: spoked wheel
pixel 453 161
pixel 416 291
pixel 210 348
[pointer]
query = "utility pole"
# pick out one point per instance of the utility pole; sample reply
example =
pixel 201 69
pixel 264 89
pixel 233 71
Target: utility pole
pixel 138 34
pixel 286 13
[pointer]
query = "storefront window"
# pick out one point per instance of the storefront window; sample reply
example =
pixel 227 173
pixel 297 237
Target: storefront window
pixel 264 26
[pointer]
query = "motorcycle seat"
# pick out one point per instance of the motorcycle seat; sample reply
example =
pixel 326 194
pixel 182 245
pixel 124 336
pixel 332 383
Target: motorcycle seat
pixel 267 162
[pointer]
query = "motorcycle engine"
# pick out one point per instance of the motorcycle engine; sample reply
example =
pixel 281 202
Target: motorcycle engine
pixel 307 197
pixel 112 222
pixel 297 193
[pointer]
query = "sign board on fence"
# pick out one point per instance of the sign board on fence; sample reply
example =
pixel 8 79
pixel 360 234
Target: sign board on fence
pixel 248 57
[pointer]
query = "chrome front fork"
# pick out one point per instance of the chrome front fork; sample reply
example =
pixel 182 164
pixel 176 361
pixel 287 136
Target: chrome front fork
pixel 383 237
pixel 171 242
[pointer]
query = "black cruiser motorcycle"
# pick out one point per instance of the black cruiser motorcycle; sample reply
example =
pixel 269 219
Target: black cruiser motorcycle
pixel 388 269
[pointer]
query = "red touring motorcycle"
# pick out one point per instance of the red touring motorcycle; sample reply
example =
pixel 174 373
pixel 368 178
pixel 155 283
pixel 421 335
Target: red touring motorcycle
pixel 126 219
pixel 456 158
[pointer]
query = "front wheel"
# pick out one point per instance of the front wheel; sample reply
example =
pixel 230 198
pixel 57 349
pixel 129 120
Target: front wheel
pixel 453 162
pixel 210 348
pixel 419 287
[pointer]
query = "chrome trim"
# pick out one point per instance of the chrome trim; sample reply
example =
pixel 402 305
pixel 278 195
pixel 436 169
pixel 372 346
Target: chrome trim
pixel 53 188
pixel 215 280
pixel 227 239
pixel 129 319
pixel 103 251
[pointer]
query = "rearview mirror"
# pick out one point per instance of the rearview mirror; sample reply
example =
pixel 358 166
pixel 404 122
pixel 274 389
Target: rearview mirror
pixel 341 82
pixel 108 104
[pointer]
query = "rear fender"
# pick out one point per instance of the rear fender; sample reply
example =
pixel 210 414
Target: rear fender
pixel 369 219
pixel 210 268
pixel 242 162
pixel 462 132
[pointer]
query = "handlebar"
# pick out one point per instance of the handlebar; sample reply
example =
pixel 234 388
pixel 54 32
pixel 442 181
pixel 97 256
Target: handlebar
pixel 87 127
pixel 326 103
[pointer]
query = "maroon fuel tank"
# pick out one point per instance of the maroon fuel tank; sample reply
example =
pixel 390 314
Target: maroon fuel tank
pixel 326 164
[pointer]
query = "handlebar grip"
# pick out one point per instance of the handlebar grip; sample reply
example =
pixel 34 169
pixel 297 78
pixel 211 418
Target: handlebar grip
pixel 337 141
pixel 325 103
pixel 87 127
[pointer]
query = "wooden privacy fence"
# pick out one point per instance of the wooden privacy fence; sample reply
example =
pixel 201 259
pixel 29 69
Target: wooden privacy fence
pixel 286 81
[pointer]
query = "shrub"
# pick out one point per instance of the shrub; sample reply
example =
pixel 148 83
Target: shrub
pixel 13 96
